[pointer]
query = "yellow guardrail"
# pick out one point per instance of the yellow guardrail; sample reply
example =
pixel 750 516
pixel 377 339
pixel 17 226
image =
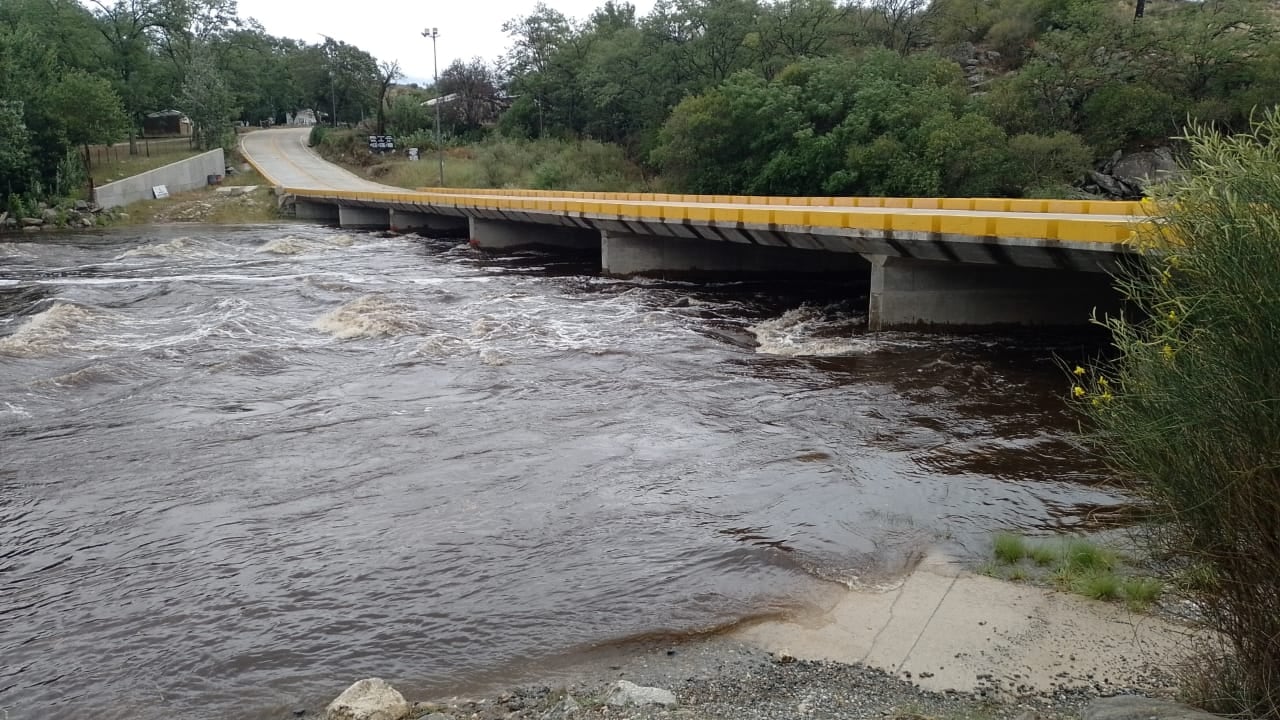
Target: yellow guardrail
pixel 1000 223
pixel 1015 205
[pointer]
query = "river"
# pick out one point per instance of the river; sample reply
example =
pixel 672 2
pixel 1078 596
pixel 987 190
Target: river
pixel 241 468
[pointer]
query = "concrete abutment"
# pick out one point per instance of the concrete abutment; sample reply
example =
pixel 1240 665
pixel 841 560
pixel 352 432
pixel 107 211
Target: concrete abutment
pixel 429 224
pixel 364 218
pixel 909 293
pixel 511 235
pixel 626 255
pixel 315 211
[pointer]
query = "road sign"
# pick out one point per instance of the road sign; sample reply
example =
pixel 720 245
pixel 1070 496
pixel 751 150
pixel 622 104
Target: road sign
pixel 381 143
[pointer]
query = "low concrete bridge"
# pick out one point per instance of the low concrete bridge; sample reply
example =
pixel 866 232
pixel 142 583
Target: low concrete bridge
pixel 927 261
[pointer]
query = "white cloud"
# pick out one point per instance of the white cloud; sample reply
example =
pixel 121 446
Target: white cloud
pixel 392 29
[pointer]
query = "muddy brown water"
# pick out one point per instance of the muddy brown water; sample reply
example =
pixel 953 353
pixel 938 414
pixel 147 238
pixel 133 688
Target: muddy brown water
pixel 243 467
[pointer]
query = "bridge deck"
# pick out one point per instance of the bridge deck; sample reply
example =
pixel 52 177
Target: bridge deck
pixel 284 159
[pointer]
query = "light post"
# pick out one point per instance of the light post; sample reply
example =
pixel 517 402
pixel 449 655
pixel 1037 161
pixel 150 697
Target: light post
pixel 434 33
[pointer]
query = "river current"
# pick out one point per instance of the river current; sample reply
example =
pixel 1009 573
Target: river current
pixel 241 468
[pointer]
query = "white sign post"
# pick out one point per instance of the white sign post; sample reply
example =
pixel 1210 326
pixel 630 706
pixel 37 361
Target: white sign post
pixel 160 192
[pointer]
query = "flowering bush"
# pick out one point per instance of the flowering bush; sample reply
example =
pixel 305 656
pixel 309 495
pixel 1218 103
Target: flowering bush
pixel 1190 408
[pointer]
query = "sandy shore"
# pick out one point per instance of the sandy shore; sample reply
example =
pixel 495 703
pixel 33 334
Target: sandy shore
pixel 938 643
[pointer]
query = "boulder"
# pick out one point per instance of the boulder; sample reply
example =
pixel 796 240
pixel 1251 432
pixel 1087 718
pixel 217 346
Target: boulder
pixel 1136 707
pixel 50 216
pixel 628 693
pixel 371 699
pixel 82 206
pixel 1143 168
pixel 32 222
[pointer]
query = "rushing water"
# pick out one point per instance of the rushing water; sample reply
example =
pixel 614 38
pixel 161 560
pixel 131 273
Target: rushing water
pixel 240 468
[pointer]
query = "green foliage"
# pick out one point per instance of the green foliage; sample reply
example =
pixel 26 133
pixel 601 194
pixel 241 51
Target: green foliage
pixel 1096 584
pixel 1119 115
pixel 1188 409
pixel 15 154
pixel 1045 161
pixel 317 135
pixel 1009 548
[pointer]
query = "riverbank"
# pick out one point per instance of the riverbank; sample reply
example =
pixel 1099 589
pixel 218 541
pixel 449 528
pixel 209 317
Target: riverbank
pixel 939 643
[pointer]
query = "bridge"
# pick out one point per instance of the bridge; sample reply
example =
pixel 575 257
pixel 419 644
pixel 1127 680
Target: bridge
pixel 926 261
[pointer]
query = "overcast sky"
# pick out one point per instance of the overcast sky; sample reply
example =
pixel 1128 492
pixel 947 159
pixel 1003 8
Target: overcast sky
pixel 392 29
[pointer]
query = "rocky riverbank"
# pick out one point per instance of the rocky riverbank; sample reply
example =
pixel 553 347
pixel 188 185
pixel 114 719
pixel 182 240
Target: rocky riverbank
pixel 79 215
pixel 940 643
pixel 722 679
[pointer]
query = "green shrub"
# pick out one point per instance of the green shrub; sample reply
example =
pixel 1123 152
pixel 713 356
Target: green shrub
pixel 318 133
pixel 1097 584
pixel 1047 161
pixel 1189 410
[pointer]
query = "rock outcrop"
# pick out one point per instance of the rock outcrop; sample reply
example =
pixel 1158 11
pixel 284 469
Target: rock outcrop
pixel 628 693
pixel 1128 176
pixel 371 699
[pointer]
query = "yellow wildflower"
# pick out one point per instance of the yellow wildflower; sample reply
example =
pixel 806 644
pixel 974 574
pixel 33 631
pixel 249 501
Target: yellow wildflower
pixel 1077 391
pixel 1106 396
pixel 1078 371
pixel 1097 402
pixel 1167 351
pixel 1103 382
pixel 1173 316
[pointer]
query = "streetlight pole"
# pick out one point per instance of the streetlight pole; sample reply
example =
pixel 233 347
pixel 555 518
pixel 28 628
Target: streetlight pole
pixel 434 33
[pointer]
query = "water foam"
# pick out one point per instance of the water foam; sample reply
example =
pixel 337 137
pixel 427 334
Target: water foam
pixel 49 330
pixel 174 248
pixel 369 316
pixel 796 333
pixel 289 245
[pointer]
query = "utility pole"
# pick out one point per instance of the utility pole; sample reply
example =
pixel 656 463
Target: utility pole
pixel 434 33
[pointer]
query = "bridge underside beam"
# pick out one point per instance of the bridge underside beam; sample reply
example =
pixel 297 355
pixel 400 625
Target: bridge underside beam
pixel 315 211
pixel 363 218
pixel 908 293
pixel 508 235
pixel 430 224
pixel 627 255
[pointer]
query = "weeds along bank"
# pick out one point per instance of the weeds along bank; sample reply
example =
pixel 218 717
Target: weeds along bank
pixel 497 162
pixel 1189 411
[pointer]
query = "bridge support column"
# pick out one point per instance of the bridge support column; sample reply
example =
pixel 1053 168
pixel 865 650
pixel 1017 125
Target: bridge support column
pixel 315 211
pixel 405 221
pixel 508 235
pixel 625 255
pixel 910 293
pixel 363 218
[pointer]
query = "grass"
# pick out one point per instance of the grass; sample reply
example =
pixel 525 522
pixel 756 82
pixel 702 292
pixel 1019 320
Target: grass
pixel 547 164
pixel 109 164
pixel 1071 564
pixel 1009 548
pixel 206 205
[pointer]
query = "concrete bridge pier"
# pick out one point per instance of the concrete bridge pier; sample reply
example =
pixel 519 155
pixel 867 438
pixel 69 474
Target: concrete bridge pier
pixel 510 235
pixel 909 293
pixel 364 218
pixel 314 211
pixel 430 224
pixel 627 255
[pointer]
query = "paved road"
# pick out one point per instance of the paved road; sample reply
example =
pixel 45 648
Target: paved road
pixel 284 157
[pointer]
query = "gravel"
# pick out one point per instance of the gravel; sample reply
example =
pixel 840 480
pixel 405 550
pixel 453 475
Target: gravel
pixel 722 679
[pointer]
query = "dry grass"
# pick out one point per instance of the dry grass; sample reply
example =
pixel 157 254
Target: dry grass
pixel 111 163
pixel 207 205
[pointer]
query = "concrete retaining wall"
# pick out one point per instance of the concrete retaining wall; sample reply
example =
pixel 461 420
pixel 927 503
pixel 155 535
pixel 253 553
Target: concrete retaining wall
pixel 180 176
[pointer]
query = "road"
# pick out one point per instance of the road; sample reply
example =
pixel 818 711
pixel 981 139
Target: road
pixel 283 156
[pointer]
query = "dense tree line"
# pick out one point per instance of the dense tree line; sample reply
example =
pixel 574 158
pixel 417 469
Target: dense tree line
pixel 74 74
pixel 920 97
pixel 888 96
